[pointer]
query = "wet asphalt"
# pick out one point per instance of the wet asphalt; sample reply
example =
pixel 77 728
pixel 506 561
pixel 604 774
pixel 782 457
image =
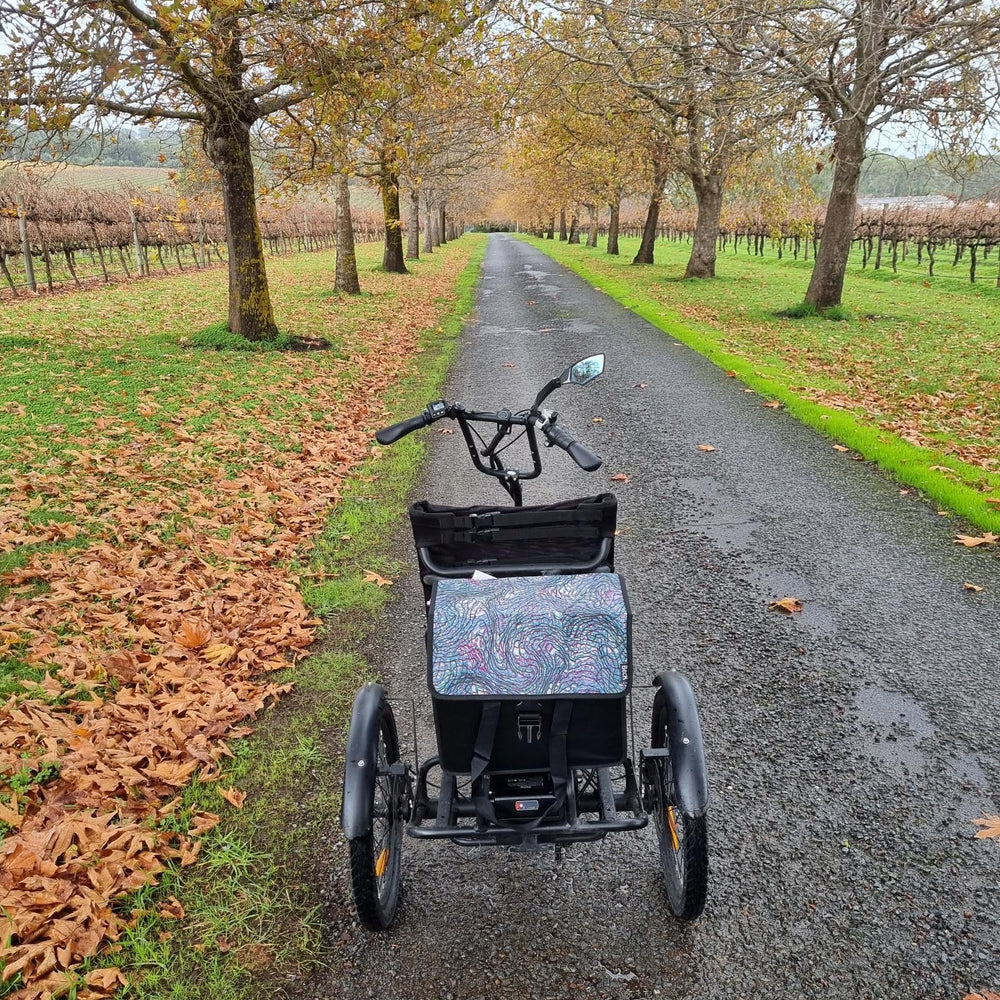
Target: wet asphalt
pixel 849 746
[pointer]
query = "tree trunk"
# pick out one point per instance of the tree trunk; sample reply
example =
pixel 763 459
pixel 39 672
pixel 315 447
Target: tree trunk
pixel 562 225
pixel 660 175
pixel 574 231
pixel 550 233
pixel 826 286
pixel 645 252
pixel 346 271
pixel 428 230
pixel 250 311
pixel 413 236
pixel 442 225
pixel 616 207
pixel 708 191
pixel 592 227
pixel 388 181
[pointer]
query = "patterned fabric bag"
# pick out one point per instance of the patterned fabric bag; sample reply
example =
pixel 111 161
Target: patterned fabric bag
pixel 538 636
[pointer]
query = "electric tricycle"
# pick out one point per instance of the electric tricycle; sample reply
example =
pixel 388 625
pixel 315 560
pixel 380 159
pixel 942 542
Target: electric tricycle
pixel 530 672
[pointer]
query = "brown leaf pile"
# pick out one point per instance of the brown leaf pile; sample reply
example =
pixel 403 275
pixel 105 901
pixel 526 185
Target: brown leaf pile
pixel 157 637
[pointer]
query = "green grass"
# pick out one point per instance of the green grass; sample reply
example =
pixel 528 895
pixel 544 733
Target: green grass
pixel 257 885
pixel 904 356
pixel 218 337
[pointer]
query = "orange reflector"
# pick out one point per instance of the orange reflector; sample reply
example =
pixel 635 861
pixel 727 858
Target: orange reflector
pixel 382 862
pixel 672 823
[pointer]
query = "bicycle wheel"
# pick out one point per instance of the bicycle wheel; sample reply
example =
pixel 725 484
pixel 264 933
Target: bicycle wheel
pixel 683 838
pixel 376 872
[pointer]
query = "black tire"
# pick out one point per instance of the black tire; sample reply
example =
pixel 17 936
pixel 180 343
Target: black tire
pixel 376 873
pixel 683 838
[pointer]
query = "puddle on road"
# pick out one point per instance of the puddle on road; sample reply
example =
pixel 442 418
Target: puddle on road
pixel 715 514
pixel 894 724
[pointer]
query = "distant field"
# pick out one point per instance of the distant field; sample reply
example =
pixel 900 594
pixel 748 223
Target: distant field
pixel 96 178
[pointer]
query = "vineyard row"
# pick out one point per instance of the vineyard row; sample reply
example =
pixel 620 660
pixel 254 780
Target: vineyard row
pixel 965 235
pixel 52 238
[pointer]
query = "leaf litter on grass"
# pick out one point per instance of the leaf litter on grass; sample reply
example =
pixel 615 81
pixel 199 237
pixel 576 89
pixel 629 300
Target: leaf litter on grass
pixel 155 636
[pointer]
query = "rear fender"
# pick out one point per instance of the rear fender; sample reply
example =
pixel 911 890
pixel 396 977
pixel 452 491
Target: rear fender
pixel 360 766
pixel 687 751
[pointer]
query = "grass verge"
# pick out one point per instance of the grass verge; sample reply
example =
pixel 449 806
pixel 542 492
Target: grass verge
pixel 909 378
pixel 254 903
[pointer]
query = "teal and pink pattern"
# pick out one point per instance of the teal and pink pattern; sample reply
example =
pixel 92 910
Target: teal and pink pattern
pixel 530 636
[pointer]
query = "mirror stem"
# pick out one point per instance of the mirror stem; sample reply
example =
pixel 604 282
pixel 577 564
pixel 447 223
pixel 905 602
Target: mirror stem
pixel 546 390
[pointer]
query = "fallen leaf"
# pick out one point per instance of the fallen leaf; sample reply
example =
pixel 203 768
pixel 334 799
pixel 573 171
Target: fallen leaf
pixel 995 501
pixel 973 587
pixel 640 385
pixel 223 944
pixel 233 796
pixel 972 541
pixel 372 577
pixel 985 994
pixel 706 447
pixel 9 814
pixel 772 405
pixel 219 652
pixel 730 374
pixel 508 364
pixel 840 447
pixel 445 430
pixel 171 909
pixel 193 635
pixel 597 420
pixel 786 605
pixel 990 826
pixel 620 477
pixel 106 979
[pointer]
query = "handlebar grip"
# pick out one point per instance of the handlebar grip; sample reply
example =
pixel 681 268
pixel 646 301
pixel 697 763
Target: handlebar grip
pixel 395 431
pixel 584 457
pixel 580 454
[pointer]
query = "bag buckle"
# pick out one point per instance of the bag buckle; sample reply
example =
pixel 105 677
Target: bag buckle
pixel 529 722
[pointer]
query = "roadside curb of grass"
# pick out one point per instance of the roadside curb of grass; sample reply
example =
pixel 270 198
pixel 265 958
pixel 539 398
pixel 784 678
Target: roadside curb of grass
pixel 254 903
pixel 911 465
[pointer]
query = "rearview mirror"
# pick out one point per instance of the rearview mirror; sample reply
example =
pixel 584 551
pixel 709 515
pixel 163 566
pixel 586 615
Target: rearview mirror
pixel 583 371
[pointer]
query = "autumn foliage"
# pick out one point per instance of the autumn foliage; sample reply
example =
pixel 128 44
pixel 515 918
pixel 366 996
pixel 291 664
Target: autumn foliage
pixel 152 612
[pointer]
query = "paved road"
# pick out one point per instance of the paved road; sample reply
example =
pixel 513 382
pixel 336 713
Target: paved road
pixel 850 746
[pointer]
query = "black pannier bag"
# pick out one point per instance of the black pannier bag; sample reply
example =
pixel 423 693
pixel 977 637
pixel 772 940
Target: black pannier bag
pixel 553 538
pixel 525 671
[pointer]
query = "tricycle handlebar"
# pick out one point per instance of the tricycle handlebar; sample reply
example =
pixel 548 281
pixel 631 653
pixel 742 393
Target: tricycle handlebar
pixel 530 419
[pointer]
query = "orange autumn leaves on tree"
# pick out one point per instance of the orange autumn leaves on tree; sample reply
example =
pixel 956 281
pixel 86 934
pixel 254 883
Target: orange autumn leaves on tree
pixel 154 638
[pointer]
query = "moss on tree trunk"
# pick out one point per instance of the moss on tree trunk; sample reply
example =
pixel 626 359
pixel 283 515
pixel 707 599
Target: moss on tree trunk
pixel 250 310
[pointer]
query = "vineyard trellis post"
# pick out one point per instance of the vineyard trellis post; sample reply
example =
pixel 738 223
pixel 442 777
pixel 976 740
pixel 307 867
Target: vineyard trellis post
pixel 140 270
pixel 201 240
pixel 22 225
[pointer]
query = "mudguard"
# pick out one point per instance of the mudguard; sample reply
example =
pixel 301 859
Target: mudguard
pixel 687 751
pixel 360 766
